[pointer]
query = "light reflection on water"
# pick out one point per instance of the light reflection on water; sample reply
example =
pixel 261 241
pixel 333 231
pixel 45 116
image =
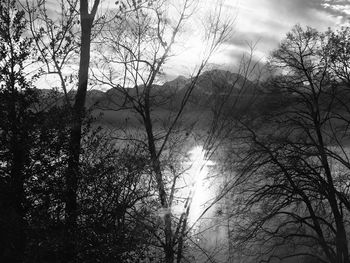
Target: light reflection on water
pixel 202 186
pixel 197 187
pixel 209 231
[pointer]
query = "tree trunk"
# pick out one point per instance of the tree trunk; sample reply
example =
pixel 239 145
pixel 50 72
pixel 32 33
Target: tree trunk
pixel 12 192
pixel 16 213
pixel 341 238
pixel 168 248
pixel 73 173
pixel 13 210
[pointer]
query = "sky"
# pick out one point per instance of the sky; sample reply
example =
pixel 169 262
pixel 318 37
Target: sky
pixel 261 22
pixel 264 23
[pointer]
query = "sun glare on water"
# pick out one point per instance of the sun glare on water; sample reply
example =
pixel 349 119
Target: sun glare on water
pixel 202 192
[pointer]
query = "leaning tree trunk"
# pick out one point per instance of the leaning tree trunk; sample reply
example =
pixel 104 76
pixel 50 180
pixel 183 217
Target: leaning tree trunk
pixel 169 242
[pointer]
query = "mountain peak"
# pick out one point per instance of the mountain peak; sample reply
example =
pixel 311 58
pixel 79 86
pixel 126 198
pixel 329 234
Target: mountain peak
pixel 177 83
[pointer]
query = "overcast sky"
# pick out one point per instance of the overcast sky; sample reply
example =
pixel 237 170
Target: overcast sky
pixel 264 22
pixel 267 22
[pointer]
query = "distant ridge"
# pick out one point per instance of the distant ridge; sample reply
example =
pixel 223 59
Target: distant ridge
pixel 210 83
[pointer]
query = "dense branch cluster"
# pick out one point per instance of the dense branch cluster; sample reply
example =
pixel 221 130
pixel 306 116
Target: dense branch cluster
pixel 294 155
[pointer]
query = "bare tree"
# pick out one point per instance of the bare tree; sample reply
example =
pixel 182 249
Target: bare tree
pixel 55 29
pixel 141 42
pixel 292 158
pixel 87 18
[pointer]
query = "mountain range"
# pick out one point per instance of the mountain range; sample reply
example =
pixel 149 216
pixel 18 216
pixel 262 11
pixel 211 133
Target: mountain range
pixel 211 88
pixel 209 85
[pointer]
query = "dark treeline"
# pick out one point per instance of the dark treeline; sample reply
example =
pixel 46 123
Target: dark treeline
pixel 75 190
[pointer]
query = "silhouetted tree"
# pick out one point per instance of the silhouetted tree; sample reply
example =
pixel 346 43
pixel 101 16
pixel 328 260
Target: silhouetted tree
pixel 141 42
pixel 17 98
pixel 56 48
pixel 292 160
pixel 73 170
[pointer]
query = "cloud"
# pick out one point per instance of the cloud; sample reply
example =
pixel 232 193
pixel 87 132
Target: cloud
pixel 337 7
pixel 267 21
pixel 277 16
